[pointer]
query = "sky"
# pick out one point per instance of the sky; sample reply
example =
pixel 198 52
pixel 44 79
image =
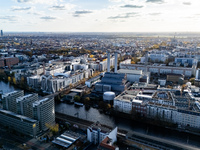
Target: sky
pixel 100 15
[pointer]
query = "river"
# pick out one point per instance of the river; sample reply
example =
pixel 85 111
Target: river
pixel 94 115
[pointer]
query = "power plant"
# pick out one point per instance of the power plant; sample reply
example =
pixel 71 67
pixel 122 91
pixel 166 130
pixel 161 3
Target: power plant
pixel 112 81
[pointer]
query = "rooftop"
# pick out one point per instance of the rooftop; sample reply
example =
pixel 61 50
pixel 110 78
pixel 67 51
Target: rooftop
pixel 40 102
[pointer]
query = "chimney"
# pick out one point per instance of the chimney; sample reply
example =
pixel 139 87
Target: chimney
pixel 116 59
pixel 108 62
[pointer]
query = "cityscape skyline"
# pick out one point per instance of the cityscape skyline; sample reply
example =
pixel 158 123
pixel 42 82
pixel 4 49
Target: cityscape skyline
pixel 100 16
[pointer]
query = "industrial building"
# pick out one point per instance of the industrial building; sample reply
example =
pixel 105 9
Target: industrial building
pixel 24 104
pixel 19 123
pixel 114 82
pixel 44 112
pixel 9 100
pixel 136 75
pixel 66 139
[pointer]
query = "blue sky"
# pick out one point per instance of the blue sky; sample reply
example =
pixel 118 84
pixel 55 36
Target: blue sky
pixel 100 15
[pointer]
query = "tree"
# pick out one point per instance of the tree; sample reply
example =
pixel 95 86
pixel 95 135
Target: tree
pixel 192 80
pixel 54 128
pixel 77 98
pixel 14 81
pixel 87 100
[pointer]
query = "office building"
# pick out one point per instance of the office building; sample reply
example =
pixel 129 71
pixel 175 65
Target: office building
pixel 24 104
pixel 19 123
pixel 44 112
pixel 9 100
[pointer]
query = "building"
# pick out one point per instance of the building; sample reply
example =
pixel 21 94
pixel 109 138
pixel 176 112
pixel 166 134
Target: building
pixel 176 78
pixel 69 98
pixel 25 104
pixel 34 81
pixel 107 144
pixel 92 81
pixel 96 133
pixel 123 102
pixel 161 69
pixel 163 97
pixel 44 112
pixel 139 107
pixel 66 139
pixel 112 82
pixel 154 57
pixel 186 61
pixel 1 33
pixel 9 100
pixel 161 112
pixel 135 75
pixel 19 123
pixel 10 61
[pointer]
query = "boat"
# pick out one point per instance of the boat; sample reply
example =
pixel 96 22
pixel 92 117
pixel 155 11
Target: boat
pixel 78 104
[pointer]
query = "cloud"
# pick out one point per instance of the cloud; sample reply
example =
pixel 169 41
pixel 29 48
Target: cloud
pixel 9 18
pixel 48 18
pixel 124 16
pixel 20 8
pixel 186 3
pixel 62 7
pixel 24 1
pixel 116 1
pixel 155 1
pixel 49 2
pixel 81 12
pixel 154 14
pixel 131 6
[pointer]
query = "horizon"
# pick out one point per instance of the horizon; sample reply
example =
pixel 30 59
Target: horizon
pixel 100 16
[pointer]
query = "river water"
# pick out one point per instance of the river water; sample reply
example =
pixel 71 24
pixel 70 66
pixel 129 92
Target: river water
pixel 94 115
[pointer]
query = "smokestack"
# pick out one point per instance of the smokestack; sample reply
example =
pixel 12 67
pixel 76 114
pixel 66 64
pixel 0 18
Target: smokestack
pixel 108 62
pixel 116 59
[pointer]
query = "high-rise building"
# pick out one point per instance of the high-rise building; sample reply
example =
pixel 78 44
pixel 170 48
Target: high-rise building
pixel 9 100
pixel 44 112
pixel 1 32
pixel 25 104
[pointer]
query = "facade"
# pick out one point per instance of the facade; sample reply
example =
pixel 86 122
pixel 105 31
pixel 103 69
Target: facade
pixel 24 104
pixel 174 77
pixel 161 69
pixel 9 100
pixel 9 61
pixel 44 112
pixel 112 82
pixel 92 81
pixel 96 133
pixel 158 57
pixel 19 123
pixel 34 81
pixel 135 75
pixel 186 61
pixel 123 102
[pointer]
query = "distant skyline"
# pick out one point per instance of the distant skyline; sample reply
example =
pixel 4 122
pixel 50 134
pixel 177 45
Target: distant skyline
pixel 100 16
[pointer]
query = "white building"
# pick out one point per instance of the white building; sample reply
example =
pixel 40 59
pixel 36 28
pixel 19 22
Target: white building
pixel 135 75
pixel 160 69
pixel 97 133
pixel 123 102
